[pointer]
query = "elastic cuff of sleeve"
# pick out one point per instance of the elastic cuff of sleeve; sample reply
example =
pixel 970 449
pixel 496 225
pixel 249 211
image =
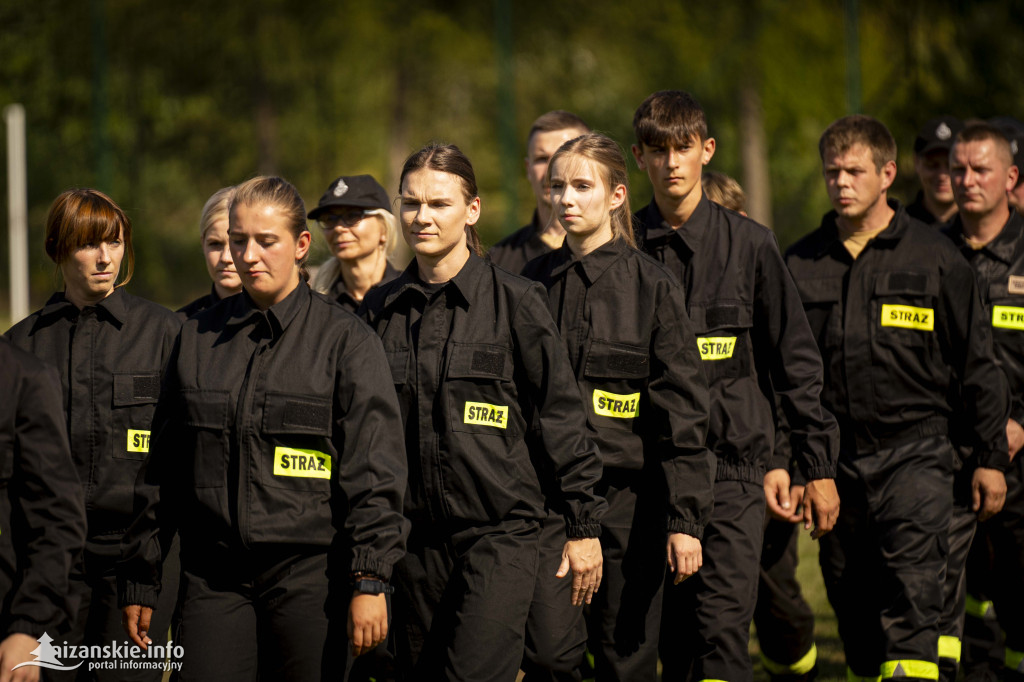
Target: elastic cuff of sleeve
pixel 131 594
pixel 378 567
pixel 1017 415
pixel 691 528
pixel 23 626
pixel 581 529
pixel 993 459
pixel 814 473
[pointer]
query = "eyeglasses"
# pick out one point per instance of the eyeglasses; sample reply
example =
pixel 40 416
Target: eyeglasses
pixel 349 218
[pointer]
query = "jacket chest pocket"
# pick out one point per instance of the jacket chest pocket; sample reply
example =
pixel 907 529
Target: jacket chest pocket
pixel 1007 317
pixel 723 339
pixel 207 417
pixel 134 399
pixel 296 441
pixel 481 396
pixel 903 310
pixel 615 383
pixel 821 300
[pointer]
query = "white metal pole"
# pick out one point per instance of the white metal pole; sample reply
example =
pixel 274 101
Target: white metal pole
pixel 17 201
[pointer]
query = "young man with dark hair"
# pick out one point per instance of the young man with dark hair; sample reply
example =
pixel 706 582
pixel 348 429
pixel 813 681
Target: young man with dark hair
pixel 934 203
pixel 758 353
pixel 990 235
pixel 907 351
pixel 542 234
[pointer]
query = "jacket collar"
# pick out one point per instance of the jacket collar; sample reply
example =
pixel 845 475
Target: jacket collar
pixel 243 310
pixel 1003 247
pixel 594 264
pixel 114 307
pixel 894 232
pixel 464 285
pixel 657 229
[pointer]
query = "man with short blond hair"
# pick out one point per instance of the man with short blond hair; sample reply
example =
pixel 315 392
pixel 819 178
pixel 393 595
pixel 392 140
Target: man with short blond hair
pixel 990 235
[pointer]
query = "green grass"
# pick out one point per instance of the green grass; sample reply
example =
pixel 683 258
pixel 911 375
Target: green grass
pixel 831 663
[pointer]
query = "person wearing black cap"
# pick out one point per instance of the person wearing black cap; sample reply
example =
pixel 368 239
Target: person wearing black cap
pixel 355 216
pixel 543 233
pixel 934 203
pixel 990 234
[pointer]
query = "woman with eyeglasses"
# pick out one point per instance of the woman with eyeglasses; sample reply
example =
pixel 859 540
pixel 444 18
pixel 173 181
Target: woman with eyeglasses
pixel 355 217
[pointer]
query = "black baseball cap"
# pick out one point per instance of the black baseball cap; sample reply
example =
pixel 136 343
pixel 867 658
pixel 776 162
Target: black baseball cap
pixel 937 133
pixel 361 191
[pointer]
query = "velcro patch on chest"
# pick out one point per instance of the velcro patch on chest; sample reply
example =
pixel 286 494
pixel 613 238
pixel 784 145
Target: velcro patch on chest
pixel 146 386
pixel 483 414
pixel 1015 285
pixel 138 441
pixel 300 463
pixel 716 347
pixel 1008 317
pixel 616 405
pixel 908 317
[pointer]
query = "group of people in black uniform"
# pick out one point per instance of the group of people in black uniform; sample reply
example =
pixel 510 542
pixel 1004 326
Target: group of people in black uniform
pixel 589 429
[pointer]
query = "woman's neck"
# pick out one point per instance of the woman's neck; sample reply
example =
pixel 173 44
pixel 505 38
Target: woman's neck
pixel 360 275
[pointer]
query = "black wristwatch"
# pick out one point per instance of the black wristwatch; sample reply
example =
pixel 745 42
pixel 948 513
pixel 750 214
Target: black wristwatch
pixel 367 586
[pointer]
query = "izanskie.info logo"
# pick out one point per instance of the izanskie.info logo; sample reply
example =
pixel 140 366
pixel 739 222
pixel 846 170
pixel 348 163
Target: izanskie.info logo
pixel 112 656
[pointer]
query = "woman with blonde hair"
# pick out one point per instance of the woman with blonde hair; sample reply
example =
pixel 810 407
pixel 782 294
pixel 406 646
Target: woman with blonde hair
pixel 278 457
pixel 623 320
pixel 355 217
pixel 213 232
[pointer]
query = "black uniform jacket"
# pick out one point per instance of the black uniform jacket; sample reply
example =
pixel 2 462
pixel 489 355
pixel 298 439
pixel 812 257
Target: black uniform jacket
pixel 752 334
pixel 274 429
pixel 111 357
pixel 917 210
pixel 202 303
pixel 42 510
pixel 622 316
pixel 516 250
pixel 999 269
pixel 474 363
pixel 902 331
pixel 340 294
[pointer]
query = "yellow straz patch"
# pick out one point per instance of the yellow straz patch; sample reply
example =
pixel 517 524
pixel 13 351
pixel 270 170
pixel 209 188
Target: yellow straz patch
pixel 908 317
pixel 716 347
pixel 483 414
pixel 299 463
pixel 616 405
pixel 1007 317
pixel 138 441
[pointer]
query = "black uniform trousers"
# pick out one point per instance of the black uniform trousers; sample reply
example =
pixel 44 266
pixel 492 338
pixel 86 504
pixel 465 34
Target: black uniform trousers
pixel 884 562
pixel 462 599
pixel 995 578
pixel 624 616
pixel 705 628
pixel 556 634
pixel 962 525
pixel 784 619
pixel 264 613
pixel 98 621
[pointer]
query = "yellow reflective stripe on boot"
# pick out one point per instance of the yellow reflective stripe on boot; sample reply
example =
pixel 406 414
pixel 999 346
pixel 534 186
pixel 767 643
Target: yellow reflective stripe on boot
pixel 977 608
pixel 910 668
pixel 801 667
pixel 1014 660
pixel 949 647
pixel 854 677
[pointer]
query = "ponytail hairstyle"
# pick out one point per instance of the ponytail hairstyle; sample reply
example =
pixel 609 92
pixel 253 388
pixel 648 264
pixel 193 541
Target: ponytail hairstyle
pixel 448 158
pixel 611 164
pixel 279 193
pixel 87 216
